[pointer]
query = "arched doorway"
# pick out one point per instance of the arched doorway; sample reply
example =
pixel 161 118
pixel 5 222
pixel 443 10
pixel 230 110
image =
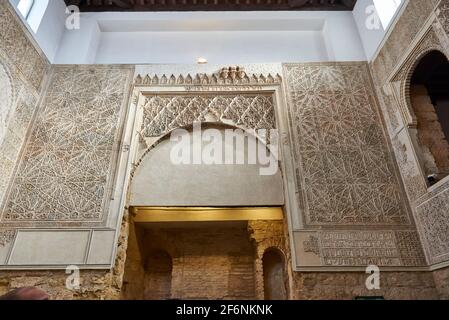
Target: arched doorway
pixel 274 275
pixel 429 97
pixel 200 214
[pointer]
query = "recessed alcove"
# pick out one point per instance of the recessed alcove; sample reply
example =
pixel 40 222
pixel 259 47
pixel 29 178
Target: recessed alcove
pixel 429 99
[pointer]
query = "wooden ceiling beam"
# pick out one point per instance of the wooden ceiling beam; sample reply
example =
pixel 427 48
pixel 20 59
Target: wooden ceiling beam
pixel 211 5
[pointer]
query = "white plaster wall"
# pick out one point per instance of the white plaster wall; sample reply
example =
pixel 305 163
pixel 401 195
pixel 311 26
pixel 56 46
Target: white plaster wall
pixel 80 46
pixel 218 47
pixel 183 37
pixel 221 37
pixel 159 182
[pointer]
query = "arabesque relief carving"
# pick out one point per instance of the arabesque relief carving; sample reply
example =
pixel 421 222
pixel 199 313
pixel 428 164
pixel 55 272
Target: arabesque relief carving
pixel 6 236
pixel 66 170
pixel 19 49
pixel 411 40
pixel 163 113
pixel 346 175
pixel 6 99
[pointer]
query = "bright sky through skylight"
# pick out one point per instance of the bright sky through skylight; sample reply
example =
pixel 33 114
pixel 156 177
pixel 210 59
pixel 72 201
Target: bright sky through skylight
pixel 24 7
pixel 33 11
pixel 386 10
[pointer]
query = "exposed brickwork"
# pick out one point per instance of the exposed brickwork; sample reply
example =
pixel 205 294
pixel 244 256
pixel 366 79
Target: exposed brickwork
pixel 442 283
pixel 434 145
pixel 158 276
pixel 208 263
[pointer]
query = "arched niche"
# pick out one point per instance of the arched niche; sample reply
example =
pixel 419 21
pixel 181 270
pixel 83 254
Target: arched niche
pixel 157 181
pixel 429 102
pixel 274 275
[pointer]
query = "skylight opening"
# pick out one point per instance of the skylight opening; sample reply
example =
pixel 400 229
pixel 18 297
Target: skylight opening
pixel 33 11
pixel 386 9
pixel 25 7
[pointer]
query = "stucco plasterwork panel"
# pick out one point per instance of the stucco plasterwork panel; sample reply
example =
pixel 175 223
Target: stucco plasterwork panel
pixel 443 16
pixel 164 113
pixel 409 167
pixel 6 236
pixel 67 167
pixel 346 175
pixel 400 83
pixel 22 73
pixel 433 219
pixel 423 27
pixel 20 115
pixel 19 49
pixel 6 99
pixel 404 32
pixel 362 248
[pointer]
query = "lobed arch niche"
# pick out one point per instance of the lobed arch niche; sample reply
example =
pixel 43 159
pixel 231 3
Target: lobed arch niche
pixel 428 97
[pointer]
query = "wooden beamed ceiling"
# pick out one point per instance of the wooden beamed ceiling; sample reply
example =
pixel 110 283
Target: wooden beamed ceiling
pixel 211 5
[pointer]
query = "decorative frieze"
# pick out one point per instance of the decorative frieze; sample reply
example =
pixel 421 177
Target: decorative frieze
pixel 164 113
pixel 232 76
pixel 364 248
pixel 312 245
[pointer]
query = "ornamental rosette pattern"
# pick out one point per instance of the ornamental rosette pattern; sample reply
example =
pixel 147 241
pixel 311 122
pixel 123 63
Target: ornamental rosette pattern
pixel 345 172
pixel 68 163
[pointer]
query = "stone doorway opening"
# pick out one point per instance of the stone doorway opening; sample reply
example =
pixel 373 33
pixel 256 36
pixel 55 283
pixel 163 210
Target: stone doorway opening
pixel 204 253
